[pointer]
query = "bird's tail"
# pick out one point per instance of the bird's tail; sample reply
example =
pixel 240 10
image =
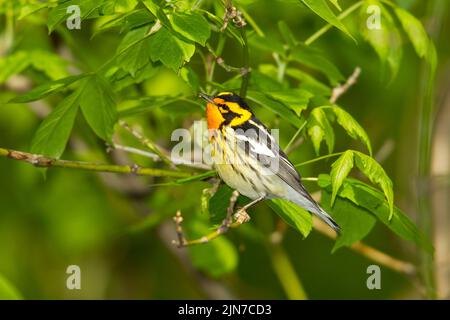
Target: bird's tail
pixel 307 202
pixel 327 219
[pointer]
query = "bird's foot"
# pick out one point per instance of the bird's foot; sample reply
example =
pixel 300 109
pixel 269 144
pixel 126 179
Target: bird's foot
pixel 241 216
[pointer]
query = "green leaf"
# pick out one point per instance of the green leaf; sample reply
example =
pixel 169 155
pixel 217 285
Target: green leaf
pixel 355 221
pixel 192 26
pixel 339 172
pixel 52 135
pixel 415 31
pixel 218 204
pixel 275 106
pixel 126 22
pixel 157 11
pixel 296 99
pixel 350 125
pixel 13 64
pixel 125 5
pixel 336 4
pixel 146 105
pixel 315 59
pixel 133 51
pixel 293 215
pixel 321 8
pixel 287 34
pixel 319 128
pixel 374 201
pixel 98 106
pixel 46 89
pixel 386 41
pixel 27 9
pixel 59 13
pixel 50 63
pixel 263 79
pixel 190 77
pixel 268 44
pixel 8 291
pixel 230 31
pixel 309 83
pixel 122 79
pixel 377 175
pixel 215 258
pixel 169 49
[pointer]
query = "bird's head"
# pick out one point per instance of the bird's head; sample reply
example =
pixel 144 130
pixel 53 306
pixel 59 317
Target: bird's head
pixel 226 109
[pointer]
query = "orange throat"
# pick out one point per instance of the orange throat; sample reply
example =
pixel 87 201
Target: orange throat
pixel 213 116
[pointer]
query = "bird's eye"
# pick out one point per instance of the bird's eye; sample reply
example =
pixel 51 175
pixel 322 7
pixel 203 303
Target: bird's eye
pixel 224 108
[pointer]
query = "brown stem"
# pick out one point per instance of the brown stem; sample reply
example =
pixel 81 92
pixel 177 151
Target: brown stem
pixel 341 89
pixel 227 223
pixel 147 143
pixel 47 162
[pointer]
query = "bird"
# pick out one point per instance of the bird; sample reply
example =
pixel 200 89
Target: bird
pixel 248 159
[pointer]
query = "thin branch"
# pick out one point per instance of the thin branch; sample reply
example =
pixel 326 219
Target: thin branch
pixel 227 223
pixel 292 144
pixel 246 77
pixel 318 159
pixel 341 89
pixel 146 142
pixel 295 145
pixel 231 13
pixel 137 151
pixel 327 27
pixel 47 162
pixel 155 157
pixel 221 62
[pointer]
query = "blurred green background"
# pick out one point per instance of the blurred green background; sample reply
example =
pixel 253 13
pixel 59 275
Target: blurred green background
pixel 118 229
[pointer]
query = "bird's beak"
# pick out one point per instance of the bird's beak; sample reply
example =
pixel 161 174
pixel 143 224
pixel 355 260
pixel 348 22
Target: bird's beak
pixel 206 97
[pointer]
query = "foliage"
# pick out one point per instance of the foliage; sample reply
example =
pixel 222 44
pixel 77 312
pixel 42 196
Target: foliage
pixel 183 40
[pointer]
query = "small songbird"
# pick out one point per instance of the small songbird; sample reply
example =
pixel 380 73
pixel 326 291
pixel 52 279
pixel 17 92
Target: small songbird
pixel 249 160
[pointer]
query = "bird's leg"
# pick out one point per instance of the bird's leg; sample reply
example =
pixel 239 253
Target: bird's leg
pixel 228 219
pixel 241 215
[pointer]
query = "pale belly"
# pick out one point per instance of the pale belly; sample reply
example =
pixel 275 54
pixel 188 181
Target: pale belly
pixel 244 174
pixel 239 182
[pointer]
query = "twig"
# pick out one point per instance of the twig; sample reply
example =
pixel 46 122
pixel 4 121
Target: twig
pixel 155 157
pixel 385 151
pixel 295 144
pixel 221 62
pixel 227 223
pixel 140 152
pixel 246 63
pixel 47 162
pixel 236 16
pixel 178 219
pixel 146 142
pixel 328 26
pixel 292 144
pixel 232 13
pixel 341 89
